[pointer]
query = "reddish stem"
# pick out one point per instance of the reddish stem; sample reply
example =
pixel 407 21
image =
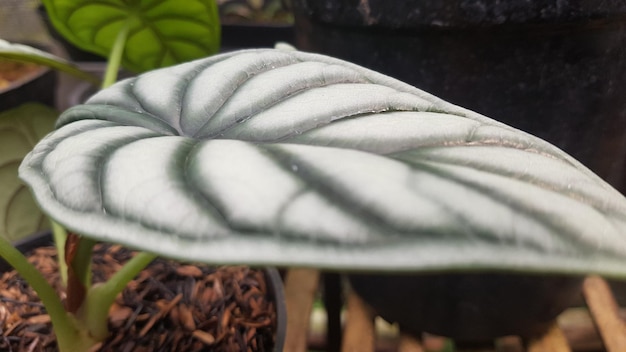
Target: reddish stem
pixel 76 290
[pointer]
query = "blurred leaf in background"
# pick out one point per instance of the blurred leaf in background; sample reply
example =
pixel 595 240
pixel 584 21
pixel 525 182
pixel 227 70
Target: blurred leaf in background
pixel 158 33
pixel 20 129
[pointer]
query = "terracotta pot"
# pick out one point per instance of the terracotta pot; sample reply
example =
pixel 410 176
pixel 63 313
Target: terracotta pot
pixel 469 307
pixel 273 280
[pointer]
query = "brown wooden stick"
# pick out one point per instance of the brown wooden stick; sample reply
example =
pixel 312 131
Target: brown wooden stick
pixel 300 288
pixel 358 334
pixel 552 341
pixel 604 310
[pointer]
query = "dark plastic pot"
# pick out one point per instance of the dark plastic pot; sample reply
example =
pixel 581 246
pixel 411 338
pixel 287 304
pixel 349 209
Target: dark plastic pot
pixel 272 276
pixel 246 36
pixel 554 69
pixel 27 244
pixel 469 307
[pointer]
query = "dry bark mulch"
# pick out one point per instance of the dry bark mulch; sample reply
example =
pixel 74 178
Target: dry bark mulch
pixel 170 306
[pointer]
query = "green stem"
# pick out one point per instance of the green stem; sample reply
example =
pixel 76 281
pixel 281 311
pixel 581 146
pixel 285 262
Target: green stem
pixel 115 58
pixel 101 297
pixel 60 236
pixel 64 327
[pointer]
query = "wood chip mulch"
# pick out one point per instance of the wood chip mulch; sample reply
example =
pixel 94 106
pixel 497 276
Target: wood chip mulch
pixel 170 306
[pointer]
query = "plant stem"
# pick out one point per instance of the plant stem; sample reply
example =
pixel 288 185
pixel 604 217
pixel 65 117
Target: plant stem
pixel 82 260
pixel 115 57
pixel 100 297
pixel 64 326
pixel 60 236
pixel 78 252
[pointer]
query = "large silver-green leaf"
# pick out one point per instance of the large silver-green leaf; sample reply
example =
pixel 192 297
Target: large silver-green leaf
pixel 289 158
pixel 20 129
pixel 160 32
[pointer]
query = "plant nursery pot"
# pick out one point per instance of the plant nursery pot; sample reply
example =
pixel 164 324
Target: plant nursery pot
pixel 553 69
pixel 469 307
pixel 272 277
pixel 246 36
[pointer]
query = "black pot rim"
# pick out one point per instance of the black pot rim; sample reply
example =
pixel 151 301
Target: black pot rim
pixel 450 14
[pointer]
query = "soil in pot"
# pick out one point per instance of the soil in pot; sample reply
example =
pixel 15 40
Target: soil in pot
pixel 470 308
pixel 170 306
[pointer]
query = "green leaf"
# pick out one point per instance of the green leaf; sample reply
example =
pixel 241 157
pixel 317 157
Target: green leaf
pixel 161 32
pixel 25 53
pixel 276 157
pixel 20 129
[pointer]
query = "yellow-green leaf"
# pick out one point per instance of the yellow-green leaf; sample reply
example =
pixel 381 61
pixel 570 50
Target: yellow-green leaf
pixel 161 32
